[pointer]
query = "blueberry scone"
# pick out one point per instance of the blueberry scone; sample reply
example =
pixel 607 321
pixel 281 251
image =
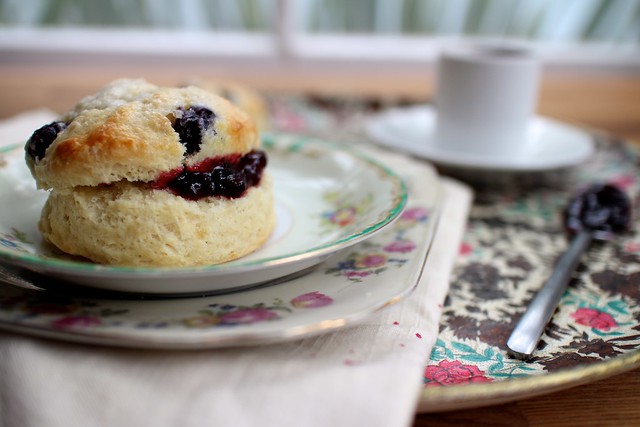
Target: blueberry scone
pixel 244 97
pixel 141 175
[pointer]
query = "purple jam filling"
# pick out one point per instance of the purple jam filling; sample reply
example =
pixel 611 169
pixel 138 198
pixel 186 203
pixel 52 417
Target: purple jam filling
pixel 225 176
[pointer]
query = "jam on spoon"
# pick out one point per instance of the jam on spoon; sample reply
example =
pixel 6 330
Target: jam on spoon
pixel 597 213
pixel 602 208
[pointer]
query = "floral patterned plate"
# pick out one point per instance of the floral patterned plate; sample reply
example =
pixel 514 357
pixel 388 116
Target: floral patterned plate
pixel 327 199
pixel 347 287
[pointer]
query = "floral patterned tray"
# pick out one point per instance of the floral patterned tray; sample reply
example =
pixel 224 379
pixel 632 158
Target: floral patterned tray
pixel 514 236
pixel 347 287
pixel 511 244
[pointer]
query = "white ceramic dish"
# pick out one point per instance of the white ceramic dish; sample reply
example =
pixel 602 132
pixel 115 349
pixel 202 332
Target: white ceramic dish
pixel 346 288
pixel 327 199
pixel 554 145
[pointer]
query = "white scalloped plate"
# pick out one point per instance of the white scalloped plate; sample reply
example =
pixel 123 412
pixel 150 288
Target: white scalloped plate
pixel 344 289
pixel 327 199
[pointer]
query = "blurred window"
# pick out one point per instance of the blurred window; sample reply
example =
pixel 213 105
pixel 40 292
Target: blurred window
pixel 568 31
pixel 225 15
pixel 566 20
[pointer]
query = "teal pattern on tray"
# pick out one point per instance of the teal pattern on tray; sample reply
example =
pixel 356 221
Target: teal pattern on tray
pixel 508 252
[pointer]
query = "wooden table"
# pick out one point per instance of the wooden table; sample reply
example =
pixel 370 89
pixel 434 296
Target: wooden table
pixel 606 102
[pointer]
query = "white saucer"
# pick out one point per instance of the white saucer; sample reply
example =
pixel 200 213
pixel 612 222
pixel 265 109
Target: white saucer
pixel 554 145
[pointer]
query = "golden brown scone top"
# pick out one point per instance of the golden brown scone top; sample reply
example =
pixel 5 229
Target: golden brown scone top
pixel 244 97
pixel 130 131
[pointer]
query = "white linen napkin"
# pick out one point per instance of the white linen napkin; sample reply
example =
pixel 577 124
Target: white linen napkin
pixel 369 374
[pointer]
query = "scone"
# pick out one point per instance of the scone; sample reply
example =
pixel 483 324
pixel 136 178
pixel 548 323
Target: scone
pixel 241 96
pixel 141 175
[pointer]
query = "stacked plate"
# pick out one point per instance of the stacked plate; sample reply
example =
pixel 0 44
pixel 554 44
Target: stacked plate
pixel 336 210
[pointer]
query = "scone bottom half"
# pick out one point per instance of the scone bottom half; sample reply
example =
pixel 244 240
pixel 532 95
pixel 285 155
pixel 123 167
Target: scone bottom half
pixel 190 194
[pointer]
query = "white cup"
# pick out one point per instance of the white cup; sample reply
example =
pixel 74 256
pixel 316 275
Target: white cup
pixel 485 98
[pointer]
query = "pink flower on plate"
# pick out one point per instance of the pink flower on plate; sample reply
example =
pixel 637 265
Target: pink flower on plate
pixel 401 246
pixel 343 217
pixel 247 315
pixel 594 318
pixel 453 372
pixel 311 300
pixel 78 321
pixel 371 261
pixel 288 121
pixel 414 214
pixel 356 274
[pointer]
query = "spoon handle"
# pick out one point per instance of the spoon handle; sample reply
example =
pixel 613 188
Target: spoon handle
pixel 526 334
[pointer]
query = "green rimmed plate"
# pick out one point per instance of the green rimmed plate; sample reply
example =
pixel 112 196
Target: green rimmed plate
pixel 327 199
pixel 346 288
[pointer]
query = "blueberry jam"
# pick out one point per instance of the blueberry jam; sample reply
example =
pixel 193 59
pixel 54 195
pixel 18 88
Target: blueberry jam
pixel 191 124
pixel 42 138
pixel 602 207
pixel 228 176
pixel 252 165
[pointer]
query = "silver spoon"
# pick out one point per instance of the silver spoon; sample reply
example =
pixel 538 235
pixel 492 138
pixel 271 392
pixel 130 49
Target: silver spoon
pixel 597 213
